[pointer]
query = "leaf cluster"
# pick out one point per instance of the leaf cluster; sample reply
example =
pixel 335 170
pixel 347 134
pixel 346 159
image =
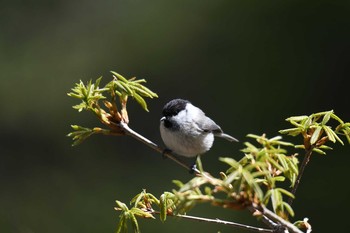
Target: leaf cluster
pixel 252 180
pixel 108 103
pixel 261 170
pixel 133 87
pixel 89 95
pixel 316 130
pixel 142 206
pixel 258 179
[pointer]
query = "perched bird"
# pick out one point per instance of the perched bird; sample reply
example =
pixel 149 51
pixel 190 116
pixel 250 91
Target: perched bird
pixel 187 131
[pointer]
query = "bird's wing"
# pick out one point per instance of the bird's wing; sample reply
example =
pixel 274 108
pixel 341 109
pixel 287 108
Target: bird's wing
pixel 208 125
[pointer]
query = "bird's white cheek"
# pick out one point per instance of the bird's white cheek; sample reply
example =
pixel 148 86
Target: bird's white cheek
pixel 207 142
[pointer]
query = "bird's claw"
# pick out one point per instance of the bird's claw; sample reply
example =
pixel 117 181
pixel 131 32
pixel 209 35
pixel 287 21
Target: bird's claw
pixel 193 168
pixel 165 151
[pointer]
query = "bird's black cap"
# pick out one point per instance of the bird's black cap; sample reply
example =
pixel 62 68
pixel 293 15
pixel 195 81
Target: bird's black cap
pixel 173 107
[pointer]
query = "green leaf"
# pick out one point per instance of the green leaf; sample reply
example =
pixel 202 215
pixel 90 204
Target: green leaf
pixel 282 143
pixel 335 117
pixel 267 197
pixel 141 101
pixel 233 176
pixel 80 134
pixel 282 159
pixel 285 192
pixel 276 138
pixel 230 161
pixel 275 164
pixel 152 198
pixel 276 199
pixel 293 164
pixel 134 222
pixel 118 93
pixel 300 147
pixel 140 213
pixel 208 191
pixel 279 178
pixel 291 131
pixel 326 147
pixel 142 90
pixel 259 173
pixel 329 133
pixel 199 164
pixel 127 89
pixel 134 80
pixel 297 118
pixel 122 225
pixel 338 139
pixel 97 83
pixel 120 77
pixel 326 117
pixel 289 208
pixel 253 136
pixel 74 95
pixel 122 205
pixel 163 207
pixel 251 182
pixel 332 136
pixel 316 135
pixel 138 198
pixel 307 123
pixel 319 151
pixel 118 85
pixel 178 183
pixel 347 134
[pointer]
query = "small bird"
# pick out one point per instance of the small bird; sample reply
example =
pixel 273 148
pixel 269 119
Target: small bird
pixel 187 131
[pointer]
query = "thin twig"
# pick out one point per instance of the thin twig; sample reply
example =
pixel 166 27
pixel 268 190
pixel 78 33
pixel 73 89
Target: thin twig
pixel 219 221
pixel 154 146
pixel 268 222
pixel 163 151
pixel 301 171
pixel 271 215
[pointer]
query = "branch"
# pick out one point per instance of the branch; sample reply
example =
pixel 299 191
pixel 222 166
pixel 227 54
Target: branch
pixel 268 222
pixel 301 171
pixel 149 143
pixel 278 224
pixel 218 221
pixel 282 223
pixel 128 131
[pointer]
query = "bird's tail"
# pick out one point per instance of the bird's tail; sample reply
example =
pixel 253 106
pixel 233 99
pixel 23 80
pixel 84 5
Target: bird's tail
pixel 227 137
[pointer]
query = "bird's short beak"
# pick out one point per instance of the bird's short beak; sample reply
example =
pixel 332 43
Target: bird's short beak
pixel 162 119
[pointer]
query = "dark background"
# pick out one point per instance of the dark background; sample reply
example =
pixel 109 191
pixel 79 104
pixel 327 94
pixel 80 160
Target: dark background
pixel 247 64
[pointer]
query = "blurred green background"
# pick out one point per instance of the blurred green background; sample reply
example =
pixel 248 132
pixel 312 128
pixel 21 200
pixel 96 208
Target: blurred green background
pixel 247 64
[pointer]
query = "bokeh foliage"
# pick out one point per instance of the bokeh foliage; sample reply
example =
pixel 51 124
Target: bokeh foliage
pixel 274 58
